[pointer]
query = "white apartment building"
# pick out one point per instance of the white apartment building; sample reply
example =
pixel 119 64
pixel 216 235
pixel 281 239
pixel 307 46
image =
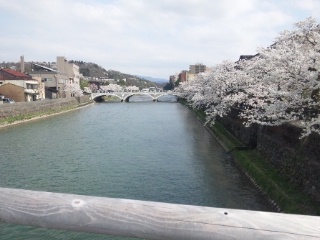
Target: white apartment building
pixel 197 68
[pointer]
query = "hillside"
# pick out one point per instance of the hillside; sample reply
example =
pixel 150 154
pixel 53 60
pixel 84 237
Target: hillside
pixel 95 71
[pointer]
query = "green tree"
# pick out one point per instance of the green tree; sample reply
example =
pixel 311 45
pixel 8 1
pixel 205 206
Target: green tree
pixel 122 82
pixel 85 72
pixel 83 83
pixel 168 86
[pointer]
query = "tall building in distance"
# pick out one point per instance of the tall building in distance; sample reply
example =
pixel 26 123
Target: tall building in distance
pixel 197 68
pixel 186 76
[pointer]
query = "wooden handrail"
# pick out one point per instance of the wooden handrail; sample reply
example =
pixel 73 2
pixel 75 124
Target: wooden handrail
pixel 149 220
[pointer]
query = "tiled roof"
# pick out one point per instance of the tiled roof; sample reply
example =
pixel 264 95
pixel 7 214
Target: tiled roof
pixel 16 73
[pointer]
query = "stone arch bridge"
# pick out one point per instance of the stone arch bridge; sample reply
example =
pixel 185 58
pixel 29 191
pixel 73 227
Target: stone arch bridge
pixel 125 96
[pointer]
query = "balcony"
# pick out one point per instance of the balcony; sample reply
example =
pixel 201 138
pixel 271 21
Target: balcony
pixel 31 91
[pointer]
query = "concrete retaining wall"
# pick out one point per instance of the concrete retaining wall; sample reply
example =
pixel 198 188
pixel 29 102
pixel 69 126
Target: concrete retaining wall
pixel 247 135
pixel 30 108
pixel 298 160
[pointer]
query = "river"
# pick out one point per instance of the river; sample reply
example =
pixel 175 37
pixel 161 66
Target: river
pixel 155 151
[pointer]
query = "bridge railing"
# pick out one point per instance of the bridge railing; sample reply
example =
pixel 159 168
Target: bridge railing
pixel 123 96
pixel 149 220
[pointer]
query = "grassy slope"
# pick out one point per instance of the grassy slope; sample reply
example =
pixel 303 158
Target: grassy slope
pixel 287 197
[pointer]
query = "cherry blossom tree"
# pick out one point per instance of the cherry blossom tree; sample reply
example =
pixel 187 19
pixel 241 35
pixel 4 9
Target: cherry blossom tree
pixel 93 87
pixel 285 79
pixel 186 90
pixel 112 87
pixel 216 91
pixel 73 89
pixel 280 84
pixel 132 89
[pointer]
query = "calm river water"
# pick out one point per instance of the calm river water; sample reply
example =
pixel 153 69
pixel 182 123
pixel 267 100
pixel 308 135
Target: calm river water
pixel 138 150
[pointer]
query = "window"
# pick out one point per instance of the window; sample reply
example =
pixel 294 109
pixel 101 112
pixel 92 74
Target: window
pixel 32 86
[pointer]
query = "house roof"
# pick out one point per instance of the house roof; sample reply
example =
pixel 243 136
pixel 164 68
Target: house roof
pixel 16 74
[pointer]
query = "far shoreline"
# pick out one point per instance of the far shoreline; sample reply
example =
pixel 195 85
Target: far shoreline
pixel 40 116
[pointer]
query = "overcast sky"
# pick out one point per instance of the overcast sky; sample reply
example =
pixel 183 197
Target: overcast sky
pixel 155 38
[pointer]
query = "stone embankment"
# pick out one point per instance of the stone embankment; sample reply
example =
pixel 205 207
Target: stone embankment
pixel 21 111
pixel 295 159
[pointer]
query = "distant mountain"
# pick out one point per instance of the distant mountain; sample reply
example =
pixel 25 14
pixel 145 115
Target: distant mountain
pixel 155 80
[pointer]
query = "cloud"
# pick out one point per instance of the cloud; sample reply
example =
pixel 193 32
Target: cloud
pixel 156 38
pixel 310 6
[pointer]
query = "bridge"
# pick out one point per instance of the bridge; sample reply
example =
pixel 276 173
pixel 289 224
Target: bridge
pixel 125 96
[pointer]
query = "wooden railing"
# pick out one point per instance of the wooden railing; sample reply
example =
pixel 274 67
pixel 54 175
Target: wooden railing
pixel 149 220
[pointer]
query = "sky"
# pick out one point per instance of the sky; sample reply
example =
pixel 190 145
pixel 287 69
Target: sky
pixel 155 38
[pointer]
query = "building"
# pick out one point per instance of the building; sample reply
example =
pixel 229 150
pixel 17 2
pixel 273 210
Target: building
pixel 172 79
pixel 61 80
pixel 197 68
pixel 73 83
pixel 20 86
pixel 51 79
pixel 191 76
pixel 183 76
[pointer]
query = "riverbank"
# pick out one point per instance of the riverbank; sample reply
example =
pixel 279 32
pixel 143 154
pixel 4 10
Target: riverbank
pixel 284 195
pixel 12 114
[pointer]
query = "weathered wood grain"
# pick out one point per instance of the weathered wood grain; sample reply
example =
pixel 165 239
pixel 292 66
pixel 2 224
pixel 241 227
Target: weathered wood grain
pixel 149 220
